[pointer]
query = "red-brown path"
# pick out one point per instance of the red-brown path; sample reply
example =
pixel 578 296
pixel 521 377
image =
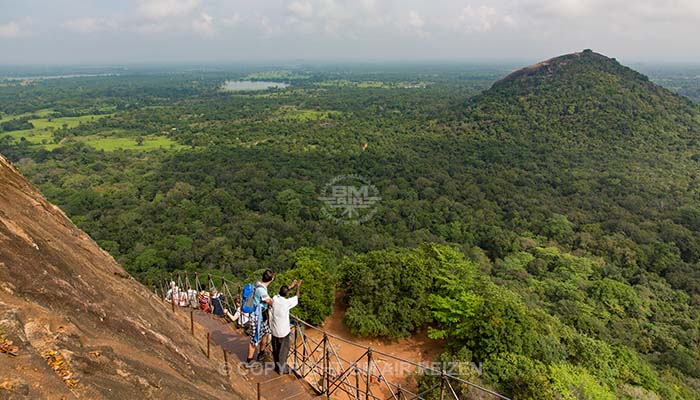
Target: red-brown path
pixel 272 386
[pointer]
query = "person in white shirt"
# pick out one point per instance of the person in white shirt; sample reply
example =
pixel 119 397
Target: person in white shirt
pixel 192 297
pixel 280 325
pixel 182 301
pixel 173 292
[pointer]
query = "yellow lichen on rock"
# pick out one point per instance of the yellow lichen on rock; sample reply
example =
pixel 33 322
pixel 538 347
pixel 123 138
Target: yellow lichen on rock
pixel 58 365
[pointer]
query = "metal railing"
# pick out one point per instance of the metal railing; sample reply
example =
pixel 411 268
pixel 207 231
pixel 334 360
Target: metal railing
pixel 314 357
pixel 317 361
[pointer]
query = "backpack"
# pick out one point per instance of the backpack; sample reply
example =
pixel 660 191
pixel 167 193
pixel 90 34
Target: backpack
pixel 247 303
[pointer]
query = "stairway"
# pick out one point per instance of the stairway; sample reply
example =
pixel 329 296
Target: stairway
pixel 272 385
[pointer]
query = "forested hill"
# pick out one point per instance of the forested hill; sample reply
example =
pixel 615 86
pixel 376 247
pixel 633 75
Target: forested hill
pixel 586 137
pixel 582 99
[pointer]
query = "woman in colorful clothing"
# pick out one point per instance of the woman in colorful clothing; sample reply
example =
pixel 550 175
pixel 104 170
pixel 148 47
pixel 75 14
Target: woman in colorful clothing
pixel 203 298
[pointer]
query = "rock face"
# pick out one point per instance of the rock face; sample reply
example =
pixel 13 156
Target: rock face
pixel 80 325
pixel 560 64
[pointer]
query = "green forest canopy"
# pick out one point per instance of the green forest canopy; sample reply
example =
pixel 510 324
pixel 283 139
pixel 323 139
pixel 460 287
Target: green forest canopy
pixel 546 227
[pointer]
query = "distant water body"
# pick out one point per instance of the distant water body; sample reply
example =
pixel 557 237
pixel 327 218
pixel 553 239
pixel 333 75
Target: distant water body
pixel 236 86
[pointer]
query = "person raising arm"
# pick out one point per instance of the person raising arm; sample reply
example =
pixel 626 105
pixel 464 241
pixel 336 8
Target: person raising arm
pixel 280 325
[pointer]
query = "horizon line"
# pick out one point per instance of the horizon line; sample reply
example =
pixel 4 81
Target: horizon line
pixel 318 61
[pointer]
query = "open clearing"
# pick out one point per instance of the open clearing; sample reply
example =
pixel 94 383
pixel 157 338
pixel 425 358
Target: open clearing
pixel 42 134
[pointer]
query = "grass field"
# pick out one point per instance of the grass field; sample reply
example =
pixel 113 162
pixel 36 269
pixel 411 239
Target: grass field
pixel 56 123
pixel 42 134
pixel 122 143
pixel 33 136
pixel 68 122
pixel 40 113
pixel 373 84
pixel 101 142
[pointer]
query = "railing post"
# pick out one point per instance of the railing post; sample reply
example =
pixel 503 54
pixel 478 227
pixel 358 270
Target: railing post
pixel 225 361
pixel 208 343
pixel 357 383
pixel 259 391
pixel 442 385
pixel 399 394
pixel 296 352
pixel 192 321
pixel 325 378
pixel 369 373
pixel 328 368
pixel 303 357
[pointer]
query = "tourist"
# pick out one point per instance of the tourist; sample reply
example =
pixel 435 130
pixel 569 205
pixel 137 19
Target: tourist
pixel 280 325
pixel 192 297
pixel 173 292
pixel 203 298
pixel 216 302
pixel 260 319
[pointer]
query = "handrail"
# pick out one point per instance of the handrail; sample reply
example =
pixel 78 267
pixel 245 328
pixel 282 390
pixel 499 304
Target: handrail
pixel 308 365
pixel 445 385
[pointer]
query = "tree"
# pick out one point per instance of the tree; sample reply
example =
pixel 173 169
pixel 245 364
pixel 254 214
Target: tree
pixel 318 285
pixel 289 203
pixel 387 293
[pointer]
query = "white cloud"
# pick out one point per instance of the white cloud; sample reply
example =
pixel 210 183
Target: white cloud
pixel 349 19
pixel 638 11
pixel 302 9
pixel 12 29
pixel 479 19
pixel 204 24
pixel 233 20
pixel 640 29
pixel 415 20
pixel 160 9
pixel 567 8
pixel 267 27
pixel 89 24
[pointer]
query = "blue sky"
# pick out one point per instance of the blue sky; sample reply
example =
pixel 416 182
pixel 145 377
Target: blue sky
pixel 128 31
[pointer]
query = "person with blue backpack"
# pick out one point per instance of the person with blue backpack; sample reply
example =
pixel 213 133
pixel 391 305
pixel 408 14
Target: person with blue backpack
pixel 259 301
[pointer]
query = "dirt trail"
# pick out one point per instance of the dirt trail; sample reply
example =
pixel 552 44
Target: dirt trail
pixel 418 348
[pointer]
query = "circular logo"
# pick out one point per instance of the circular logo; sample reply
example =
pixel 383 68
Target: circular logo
pixel 349 199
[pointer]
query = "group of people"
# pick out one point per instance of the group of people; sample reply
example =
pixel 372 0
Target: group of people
pixel 266 319
pixel 208 301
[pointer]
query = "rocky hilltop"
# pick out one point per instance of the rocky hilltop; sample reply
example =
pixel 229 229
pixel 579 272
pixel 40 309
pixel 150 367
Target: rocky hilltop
pixel 74 324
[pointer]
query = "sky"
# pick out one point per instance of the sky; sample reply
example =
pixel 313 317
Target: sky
pixel 48 32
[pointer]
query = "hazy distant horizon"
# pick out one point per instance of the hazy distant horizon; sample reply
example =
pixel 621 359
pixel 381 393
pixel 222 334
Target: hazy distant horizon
pixel 321 63
pixel 98 32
